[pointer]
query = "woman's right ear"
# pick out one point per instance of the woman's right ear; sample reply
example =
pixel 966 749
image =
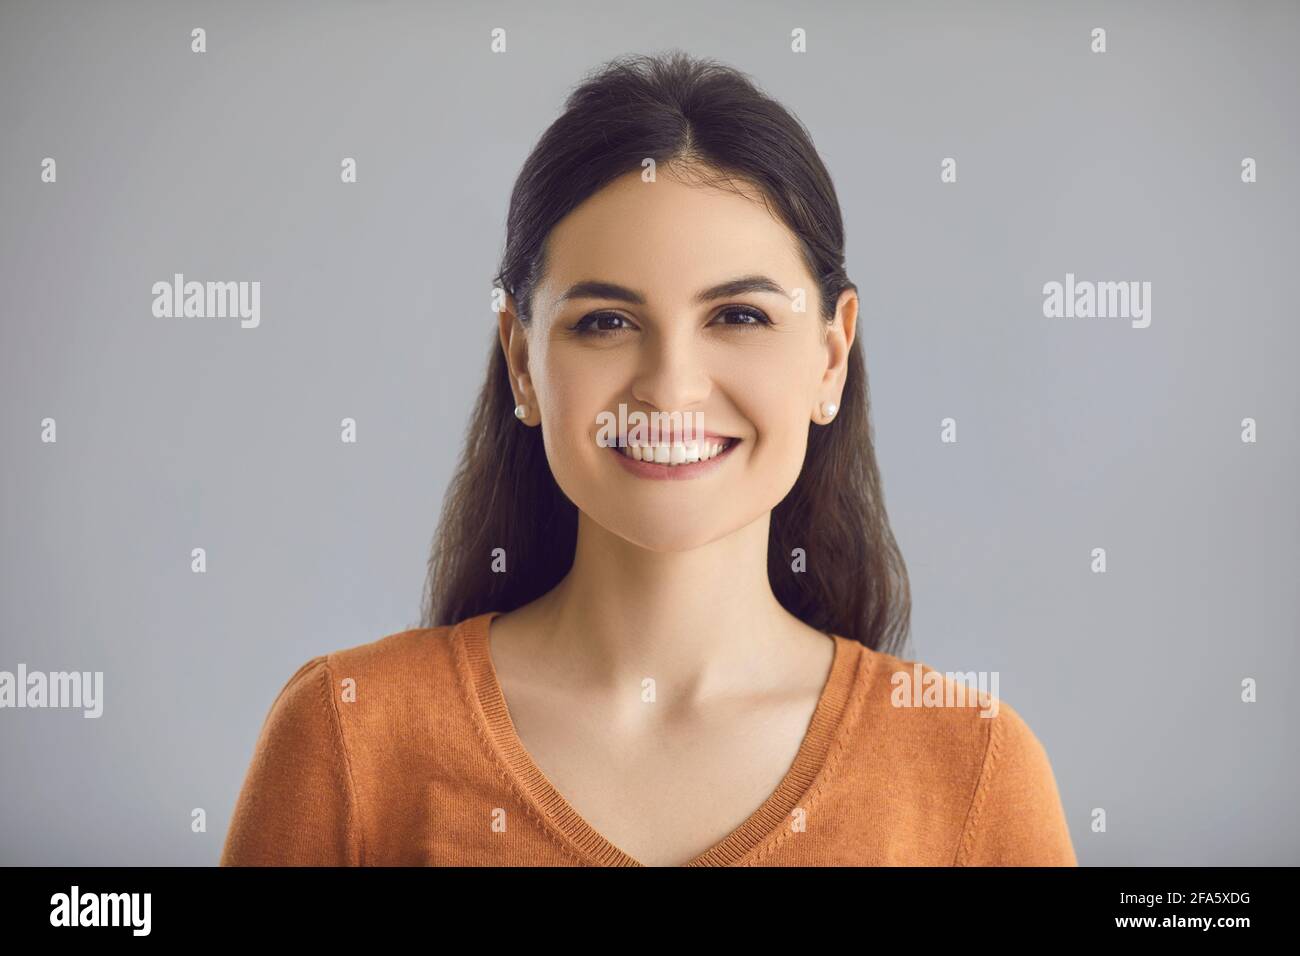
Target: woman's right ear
pixel 514 343
pixel 513 340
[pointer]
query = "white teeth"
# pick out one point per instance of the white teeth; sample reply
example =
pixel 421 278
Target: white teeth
pixel 676 453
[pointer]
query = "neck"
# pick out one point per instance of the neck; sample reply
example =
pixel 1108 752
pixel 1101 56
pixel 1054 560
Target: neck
pixel 698 622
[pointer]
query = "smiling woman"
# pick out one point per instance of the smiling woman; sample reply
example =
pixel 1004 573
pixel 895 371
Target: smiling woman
pixel 617 669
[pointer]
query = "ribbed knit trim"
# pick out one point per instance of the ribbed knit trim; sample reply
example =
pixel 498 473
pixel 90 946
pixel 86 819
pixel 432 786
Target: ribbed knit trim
pixel 470 638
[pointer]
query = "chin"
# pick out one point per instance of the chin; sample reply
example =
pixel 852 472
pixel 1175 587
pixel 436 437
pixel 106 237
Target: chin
pixel 669 543
pixel 675 533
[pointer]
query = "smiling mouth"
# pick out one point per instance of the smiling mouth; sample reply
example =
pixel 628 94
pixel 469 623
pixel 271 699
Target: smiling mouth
pixel 675 461
pixel 674 454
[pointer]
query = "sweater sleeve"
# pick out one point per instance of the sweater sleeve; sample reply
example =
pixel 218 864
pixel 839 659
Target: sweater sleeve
pixel 297 806
pixel 1016 817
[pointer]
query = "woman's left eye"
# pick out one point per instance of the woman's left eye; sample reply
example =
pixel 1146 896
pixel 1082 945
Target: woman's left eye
pixel 750 318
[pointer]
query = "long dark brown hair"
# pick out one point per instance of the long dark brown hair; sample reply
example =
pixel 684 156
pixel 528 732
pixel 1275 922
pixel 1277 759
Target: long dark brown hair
pixel 688 113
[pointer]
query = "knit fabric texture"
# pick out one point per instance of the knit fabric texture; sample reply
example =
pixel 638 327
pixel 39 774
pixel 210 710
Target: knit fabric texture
pixel 401 752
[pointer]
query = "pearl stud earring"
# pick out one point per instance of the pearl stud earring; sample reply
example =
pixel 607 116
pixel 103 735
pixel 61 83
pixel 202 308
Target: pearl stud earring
pixel 829 409
pixel 521 411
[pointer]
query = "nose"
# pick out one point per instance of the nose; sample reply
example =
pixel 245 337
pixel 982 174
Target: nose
pixel 672 374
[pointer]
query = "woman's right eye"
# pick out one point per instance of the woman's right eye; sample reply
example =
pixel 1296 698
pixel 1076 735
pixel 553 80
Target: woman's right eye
pixel 598 323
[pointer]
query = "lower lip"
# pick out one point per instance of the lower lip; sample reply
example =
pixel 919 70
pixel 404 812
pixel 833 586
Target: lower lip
pixel 683 472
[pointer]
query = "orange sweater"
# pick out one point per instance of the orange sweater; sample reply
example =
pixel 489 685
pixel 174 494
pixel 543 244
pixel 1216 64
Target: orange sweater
pixel 402 752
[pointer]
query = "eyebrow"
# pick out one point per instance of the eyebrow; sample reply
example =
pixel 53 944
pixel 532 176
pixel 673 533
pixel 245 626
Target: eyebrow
pixel 609 290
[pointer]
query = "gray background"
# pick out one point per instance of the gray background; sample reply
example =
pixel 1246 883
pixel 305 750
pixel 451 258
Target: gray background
pixel 1073 434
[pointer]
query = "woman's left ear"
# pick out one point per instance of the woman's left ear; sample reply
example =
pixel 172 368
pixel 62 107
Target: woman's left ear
pixel 839 335
pixel 839 339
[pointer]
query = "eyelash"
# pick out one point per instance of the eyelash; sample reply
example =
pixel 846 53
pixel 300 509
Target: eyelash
pixel 583 326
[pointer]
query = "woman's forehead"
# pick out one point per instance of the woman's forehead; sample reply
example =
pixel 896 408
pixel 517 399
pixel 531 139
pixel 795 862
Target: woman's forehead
pixel 669 240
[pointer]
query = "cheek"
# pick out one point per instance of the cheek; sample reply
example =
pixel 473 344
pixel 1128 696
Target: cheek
pixel 776 399
pixel 780 441
pixel 573 390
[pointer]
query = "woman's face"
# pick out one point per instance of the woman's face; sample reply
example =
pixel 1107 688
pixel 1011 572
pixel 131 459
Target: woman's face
pixel 588 351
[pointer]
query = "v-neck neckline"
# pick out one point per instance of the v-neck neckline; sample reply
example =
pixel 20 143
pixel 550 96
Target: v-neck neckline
pixel 471 639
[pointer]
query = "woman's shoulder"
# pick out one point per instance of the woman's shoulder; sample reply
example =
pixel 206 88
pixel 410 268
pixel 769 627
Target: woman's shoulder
pixel 947 720
pixel 912 685
pixel 415 652
pixel 945 745
pixel 341 720
pixel 399 674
